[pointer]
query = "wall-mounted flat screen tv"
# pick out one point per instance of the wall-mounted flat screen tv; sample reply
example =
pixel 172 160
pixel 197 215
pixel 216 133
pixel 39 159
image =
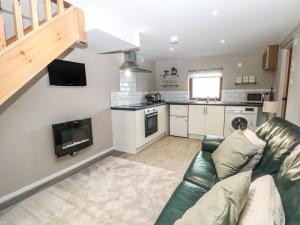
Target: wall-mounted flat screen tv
pixel 66 73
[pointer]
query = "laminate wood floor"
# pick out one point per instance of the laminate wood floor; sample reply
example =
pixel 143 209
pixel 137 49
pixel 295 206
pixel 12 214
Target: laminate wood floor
pixel 171 153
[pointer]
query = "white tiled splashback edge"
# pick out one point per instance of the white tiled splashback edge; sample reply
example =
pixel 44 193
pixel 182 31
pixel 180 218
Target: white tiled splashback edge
pixel 134 97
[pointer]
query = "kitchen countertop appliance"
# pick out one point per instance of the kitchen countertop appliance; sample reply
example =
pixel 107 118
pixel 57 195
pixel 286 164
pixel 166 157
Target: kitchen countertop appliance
pixel 153 97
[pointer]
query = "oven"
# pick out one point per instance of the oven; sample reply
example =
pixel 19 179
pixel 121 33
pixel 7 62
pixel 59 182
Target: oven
pixel 151 121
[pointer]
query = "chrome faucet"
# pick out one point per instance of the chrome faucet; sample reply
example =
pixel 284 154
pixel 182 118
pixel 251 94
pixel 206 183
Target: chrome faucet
pixel 207 99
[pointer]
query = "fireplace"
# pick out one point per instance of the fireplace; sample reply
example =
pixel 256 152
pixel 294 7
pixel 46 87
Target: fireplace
pixel 71 137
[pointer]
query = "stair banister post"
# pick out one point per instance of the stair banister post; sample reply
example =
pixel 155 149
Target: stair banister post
pixel 18 19
pixel 2 31
pixel 34 14
pixel 48 10
pixel 60 6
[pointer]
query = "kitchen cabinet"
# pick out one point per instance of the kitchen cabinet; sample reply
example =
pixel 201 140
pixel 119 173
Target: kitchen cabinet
pixel 162 119
pixel 270 57
pixel 215 117
pixel 178 126
pixel 129 129
pixel 206 120
pixel 179 120
pixel 197 119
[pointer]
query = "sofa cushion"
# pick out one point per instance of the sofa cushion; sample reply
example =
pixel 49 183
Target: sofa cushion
pixel 184 197
pixel 233 154
pixel 221 205
pixel 252 137
pixel 263 205
pixel 281 137
pixel 202 170
pixel 288 184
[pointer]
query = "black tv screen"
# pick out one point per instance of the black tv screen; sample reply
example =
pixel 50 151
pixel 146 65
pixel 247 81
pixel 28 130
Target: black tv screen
pixel 66 73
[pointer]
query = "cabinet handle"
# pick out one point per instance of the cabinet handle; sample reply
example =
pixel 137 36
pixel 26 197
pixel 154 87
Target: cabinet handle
pixel 204 110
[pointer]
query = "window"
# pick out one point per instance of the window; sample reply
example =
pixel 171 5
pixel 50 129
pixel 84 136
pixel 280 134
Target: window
pixel 205 83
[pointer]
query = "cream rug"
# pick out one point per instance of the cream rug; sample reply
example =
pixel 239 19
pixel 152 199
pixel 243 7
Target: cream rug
pixel 113 191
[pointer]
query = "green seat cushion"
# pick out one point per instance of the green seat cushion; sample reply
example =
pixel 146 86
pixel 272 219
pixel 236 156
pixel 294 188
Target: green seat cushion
pixel 185 196
pixel 282 137
pixel 202 170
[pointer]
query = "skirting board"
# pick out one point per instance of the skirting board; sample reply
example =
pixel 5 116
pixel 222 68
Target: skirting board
pixel 196 136
pixel 26 191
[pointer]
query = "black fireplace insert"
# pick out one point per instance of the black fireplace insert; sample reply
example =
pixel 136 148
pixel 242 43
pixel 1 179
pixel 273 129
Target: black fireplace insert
pixel 71 137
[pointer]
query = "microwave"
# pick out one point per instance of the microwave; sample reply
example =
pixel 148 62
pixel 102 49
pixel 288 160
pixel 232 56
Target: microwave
pixel 255 97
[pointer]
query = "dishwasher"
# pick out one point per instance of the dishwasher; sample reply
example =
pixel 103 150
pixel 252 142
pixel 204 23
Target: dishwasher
pixel 179 120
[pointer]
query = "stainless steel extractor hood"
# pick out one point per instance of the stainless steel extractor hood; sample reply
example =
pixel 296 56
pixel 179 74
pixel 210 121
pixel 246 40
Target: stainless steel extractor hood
pixel 130 64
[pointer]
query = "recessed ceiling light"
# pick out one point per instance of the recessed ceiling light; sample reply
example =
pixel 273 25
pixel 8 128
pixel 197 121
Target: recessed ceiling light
pixel 215 12
pixel 174 40
pixel 142 60
pixel 222 41
pixel 171 49
pixel 239 65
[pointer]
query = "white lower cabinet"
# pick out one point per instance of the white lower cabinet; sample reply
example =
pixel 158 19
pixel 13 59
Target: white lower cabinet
pixel 197 119
pixel 215 117
pixel 206 120
pixel 179 120
pixel 129 129
pixel 178 126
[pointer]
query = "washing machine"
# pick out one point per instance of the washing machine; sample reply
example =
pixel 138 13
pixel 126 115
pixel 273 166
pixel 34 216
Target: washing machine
pixel 239 117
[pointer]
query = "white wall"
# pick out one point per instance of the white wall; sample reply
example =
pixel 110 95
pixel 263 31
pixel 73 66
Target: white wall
pixel 26 142
pixel 252 65
pixel 293 103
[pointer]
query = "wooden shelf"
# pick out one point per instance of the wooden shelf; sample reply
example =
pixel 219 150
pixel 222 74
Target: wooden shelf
pixel 170 75
pixel 250 83
pixel 169 85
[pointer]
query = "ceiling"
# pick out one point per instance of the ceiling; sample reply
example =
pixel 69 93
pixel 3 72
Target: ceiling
pixel 243 24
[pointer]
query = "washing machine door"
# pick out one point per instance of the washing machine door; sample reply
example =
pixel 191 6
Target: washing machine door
pixel 239 123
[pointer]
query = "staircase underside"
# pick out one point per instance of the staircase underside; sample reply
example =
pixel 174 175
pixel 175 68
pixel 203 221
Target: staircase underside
pixel 21 61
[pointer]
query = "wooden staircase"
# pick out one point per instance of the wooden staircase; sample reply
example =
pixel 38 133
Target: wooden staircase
pixel 23 56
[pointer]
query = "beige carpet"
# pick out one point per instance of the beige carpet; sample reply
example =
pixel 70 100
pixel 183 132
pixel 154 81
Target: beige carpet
pixel 113 191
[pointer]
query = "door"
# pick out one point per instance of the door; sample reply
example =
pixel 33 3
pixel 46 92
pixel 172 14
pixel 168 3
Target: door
pixel 178 126
pixel 286 82
pixel 197 119
pixel 215 120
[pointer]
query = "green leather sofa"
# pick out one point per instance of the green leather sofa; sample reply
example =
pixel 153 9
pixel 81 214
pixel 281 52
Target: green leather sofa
pixel 281 136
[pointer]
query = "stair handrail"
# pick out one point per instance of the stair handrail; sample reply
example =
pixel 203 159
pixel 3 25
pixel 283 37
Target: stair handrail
pixel 35 23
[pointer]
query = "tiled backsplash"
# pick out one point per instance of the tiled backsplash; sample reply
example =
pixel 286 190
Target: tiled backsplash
pixel 135 97
pixel 236 96
pixel 125 98
pixel 174 96
pixel 127 82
